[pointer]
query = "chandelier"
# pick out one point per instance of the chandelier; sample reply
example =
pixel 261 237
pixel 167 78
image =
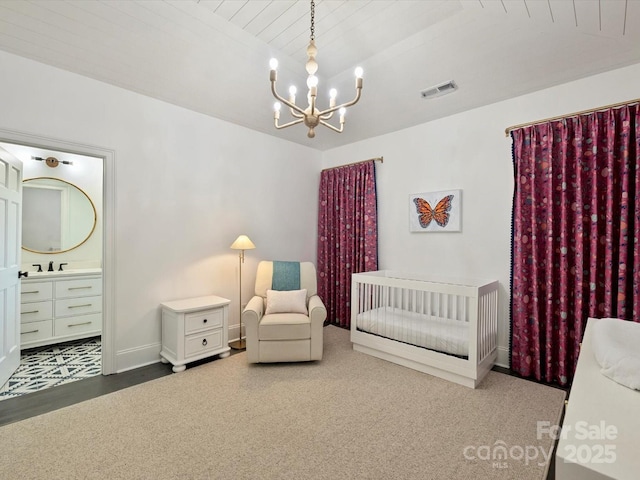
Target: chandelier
pixel 312 116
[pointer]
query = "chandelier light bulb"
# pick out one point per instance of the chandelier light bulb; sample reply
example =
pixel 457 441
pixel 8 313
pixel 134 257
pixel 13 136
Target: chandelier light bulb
pixel 292 90
pixel 312 81
pixel 273 63
pixel 333 93
pixel 342 111
pixel 277 106
pixel 359 72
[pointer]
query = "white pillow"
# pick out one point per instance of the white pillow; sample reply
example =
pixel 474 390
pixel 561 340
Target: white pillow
pixel 286 301
pixel 615 346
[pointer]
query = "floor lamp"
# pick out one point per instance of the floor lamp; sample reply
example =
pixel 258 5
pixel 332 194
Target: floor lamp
pixel 242 243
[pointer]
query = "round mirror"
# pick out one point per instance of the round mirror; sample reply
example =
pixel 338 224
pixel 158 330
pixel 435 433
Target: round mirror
pixel 57 216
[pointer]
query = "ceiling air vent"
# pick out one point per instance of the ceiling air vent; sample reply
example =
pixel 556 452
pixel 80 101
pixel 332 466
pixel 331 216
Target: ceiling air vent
pixel 439 90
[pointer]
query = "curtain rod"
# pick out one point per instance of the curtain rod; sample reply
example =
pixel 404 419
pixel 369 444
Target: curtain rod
pixel 376 159
pixel 574 114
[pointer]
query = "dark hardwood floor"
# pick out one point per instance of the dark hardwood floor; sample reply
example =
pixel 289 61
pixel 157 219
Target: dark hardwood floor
pixel 43 401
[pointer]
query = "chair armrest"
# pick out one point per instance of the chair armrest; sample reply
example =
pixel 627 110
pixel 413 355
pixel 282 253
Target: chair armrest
pixel 317 310
pixel 317 316
pixel 251 317
pixel 253 312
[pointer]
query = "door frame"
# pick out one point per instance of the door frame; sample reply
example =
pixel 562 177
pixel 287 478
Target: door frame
pixel 108 157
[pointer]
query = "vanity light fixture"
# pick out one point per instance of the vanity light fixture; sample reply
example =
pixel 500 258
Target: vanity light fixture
pixel 52 161
pixel 311 116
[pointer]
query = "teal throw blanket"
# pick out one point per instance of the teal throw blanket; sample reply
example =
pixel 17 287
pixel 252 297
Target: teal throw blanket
pixel 286 276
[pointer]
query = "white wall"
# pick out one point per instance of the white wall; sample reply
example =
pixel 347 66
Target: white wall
pixel 186 184
pixel 468 151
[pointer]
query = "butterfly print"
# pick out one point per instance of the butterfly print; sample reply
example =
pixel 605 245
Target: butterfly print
pixel 440 214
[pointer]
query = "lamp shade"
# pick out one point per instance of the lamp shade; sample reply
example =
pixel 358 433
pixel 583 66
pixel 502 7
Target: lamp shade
pixel 242 243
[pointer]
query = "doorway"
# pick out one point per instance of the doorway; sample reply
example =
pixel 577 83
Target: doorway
pixel 26 146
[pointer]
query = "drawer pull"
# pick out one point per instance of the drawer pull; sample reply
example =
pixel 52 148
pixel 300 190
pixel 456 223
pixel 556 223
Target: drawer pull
pixel 32 311
pixel 78 324
pixel 204 342
pixel 30 331
pixel 204 321
pixel 79 288
pixel 33 291
pixel 80 306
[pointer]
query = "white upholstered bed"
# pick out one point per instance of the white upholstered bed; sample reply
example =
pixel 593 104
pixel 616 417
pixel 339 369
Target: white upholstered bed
pixel 444 327
pixel 600 436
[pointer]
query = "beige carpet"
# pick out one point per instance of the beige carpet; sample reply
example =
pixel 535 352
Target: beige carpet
pixel 349 416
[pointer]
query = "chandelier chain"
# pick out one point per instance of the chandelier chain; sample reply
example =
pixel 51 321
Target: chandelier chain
pixel 313 14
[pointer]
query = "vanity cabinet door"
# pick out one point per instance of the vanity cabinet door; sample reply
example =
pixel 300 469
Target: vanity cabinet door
pixel 81 324
pixel 78 306
pixel 35 291
pixel 36 331
pixel 82 287
pixel 35 311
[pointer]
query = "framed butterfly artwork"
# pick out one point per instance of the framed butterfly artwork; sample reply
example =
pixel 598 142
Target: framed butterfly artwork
pixel 435 211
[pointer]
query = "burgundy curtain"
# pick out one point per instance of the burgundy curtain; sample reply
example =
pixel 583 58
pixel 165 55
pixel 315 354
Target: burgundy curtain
pixel 347 234
pixel 576 232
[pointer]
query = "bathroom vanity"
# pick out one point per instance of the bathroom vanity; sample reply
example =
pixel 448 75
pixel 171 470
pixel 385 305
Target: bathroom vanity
pixel 60 306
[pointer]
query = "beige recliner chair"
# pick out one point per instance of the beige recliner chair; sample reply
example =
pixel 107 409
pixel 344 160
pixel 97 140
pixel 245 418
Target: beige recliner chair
pixel 284 325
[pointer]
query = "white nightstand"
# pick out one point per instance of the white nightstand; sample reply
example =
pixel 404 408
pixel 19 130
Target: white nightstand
pixel 193 329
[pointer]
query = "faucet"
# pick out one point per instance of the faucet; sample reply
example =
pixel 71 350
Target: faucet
pixel 50 269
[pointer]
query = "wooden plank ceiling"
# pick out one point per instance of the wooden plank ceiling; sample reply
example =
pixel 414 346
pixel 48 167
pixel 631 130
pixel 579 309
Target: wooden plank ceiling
pixel 212 55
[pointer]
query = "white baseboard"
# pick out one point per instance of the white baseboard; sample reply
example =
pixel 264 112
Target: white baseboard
pixel 234 332
pixel 148 354
pixel 137 357
pixel 503 357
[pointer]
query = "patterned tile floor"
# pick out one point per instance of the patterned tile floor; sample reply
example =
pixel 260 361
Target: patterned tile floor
pixel 53 365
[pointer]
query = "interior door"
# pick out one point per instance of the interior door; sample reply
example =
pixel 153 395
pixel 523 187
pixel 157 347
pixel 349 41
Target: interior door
pixel 10 242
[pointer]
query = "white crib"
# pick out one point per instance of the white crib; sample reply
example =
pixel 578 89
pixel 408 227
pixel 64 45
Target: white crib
pixel 444 327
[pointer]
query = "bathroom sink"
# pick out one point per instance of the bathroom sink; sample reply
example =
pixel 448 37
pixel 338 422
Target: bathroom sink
pixel 71 271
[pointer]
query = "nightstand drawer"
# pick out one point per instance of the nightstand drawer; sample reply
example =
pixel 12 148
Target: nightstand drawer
pixel 32 312
pixel 83 287
pixel 195 322
pixel 77 325
pixel 197 344
pixel 78 306
pixel 35 291
pixel 34 331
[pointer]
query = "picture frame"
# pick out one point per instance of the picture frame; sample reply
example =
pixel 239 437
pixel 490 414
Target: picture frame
pixel 439 211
